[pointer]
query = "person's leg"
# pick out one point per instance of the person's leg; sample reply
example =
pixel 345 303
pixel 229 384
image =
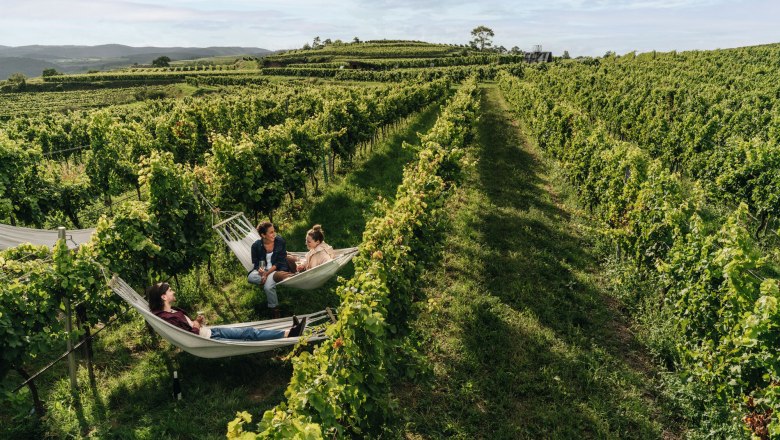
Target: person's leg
pixel 292 263
pixel 254 278
pixel 245 333
pixel 280 275
pixel 270 291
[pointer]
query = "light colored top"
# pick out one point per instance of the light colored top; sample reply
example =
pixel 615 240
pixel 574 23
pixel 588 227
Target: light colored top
pixel 319 255
pixel 205 332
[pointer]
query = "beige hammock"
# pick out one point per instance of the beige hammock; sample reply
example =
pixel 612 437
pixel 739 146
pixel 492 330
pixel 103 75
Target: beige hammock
pixel 12 236
pixel 239 235
pixel 212 348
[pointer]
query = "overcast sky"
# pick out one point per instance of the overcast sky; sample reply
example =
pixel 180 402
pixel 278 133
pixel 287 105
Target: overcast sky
pixel 583 27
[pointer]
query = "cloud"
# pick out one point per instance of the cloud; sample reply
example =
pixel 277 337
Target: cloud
pixel 583 27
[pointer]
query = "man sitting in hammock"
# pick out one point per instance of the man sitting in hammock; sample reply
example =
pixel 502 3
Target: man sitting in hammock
pixel 161 298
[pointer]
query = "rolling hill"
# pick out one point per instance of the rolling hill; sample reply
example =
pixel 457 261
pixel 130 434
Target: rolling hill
pixel 31 60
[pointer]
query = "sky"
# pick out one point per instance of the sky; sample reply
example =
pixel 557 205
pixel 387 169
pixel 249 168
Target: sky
pixel 581 27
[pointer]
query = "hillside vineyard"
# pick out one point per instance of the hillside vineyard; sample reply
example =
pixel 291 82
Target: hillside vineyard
pixel 670 161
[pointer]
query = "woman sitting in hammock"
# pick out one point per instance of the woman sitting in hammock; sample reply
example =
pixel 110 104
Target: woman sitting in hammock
pixel 270 264
pixel 161 298
pixel 319 251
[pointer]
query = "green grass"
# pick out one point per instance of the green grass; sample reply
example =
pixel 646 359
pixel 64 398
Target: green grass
pixel 521 337
pixel 132 394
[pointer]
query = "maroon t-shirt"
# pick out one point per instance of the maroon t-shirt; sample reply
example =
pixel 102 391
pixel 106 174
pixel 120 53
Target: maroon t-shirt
pixel 178 318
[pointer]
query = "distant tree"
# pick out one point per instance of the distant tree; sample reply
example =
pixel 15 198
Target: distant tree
pixel 566 55
pixel 609 53
pixel 50 72
pixel 515 50
pixel 19 79
pixel 316 43
pixel 326 42
pixel 356 40
pixel 501 49
pixel 483 37
pixel 162 61
pixel 306 47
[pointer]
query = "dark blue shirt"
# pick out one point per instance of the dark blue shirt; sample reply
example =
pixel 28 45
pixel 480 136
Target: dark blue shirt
pixel 278 259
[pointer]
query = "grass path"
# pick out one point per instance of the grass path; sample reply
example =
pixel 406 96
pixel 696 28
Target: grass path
pixel 132 396
pixel 522 339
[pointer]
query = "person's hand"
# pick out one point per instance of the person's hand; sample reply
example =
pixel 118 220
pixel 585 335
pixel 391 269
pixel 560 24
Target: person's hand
pixel 263 278
pixel 200 319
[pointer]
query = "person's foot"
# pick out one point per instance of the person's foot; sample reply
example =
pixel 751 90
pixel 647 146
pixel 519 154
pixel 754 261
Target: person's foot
pixel 295 320
pixel 297 330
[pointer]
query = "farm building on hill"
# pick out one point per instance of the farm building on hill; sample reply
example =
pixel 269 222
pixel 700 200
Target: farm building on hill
pixel 538 57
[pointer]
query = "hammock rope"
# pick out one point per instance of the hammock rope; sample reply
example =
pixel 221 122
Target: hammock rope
pixel 213 348
pixel 239 235
pixel 216 213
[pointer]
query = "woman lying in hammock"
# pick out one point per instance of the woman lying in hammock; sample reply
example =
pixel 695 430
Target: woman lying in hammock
pixel 161 299
pixel 319 251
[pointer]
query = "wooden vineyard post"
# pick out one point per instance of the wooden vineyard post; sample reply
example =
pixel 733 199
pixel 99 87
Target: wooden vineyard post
pixel 325 167
pixel 68 328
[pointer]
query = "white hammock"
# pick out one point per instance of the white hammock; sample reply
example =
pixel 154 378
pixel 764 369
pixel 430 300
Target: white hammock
pixel 12 236
pixel 212 348
pixel 239 235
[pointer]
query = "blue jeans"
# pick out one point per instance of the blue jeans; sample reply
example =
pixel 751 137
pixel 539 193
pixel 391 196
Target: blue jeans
pixel 245 333
pixel 269 287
